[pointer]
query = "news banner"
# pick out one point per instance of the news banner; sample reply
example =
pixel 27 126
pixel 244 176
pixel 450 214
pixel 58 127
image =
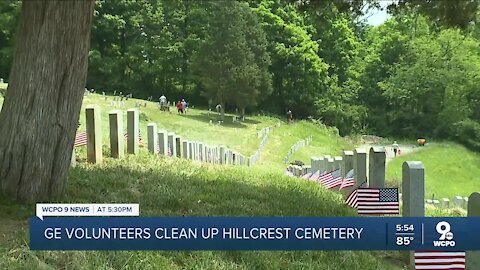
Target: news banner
pixel 119 227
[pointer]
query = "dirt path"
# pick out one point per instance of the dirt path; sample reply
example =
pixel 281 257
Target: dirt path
pixel 404 148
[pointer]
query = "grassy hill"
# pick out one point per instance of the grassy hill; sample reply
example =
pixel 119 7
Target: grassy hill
pixel 450 169
pixel 174 187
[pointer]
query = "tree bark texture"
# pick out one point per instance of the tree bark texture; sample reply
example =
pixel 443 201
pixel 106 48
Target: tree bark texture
pixel 40 114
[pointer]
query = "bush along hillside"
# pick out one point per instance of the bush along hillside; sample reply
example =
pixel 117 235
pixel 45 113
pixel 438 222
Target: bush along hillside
pixel 175 187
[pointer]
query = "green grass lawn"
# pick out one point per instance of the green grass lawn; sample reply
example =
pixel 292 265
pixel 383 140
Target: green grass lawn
pixel 450 170
pixel 174 187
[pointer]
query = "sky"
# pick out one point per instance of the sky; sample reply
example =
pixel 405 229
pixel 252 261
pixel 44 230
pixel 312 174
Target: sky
pixel 376 17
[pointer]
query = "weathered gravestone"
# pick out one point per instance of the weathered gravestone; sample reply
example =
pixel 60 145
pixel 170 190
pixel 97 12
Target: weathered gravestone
pixel 186 150
pixel 152 137
pixel 94 134
pixel 347 162
pixel 178 146
pixel 222 154
pixel 337 163
pixel 172 144
pixel 360 166
pixel 473 257
pixel 190 150
pixel 133 131
pixel 376 167
pixel 445 203
pixel 458 201
pixel 413 191
pixel 117 142
pixel 163 142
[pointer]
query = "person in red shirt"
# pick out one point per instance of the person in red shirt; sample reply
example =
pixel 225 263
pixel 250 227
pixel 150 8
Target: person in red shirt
pixel 180 107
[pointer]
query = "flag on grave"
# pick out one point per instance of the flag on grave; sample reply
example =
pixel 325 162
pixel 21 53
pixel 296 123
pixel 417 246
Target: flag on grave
pixel 378 201
pixel 307 175
pixel 326 176
pixel 80 139
pixel 439 260
pixel 351 199
pixel 348 181
pixel 334 180
pixel 139 136
pixel 315 175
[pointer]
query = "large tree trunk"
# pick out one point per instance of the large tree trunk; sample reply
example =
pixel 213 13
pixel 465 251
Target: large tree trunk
pixel 40 114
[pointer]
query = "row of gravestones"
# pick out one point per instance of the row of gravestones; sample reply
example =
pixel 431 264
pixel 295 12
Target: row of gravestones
pixel 159 141
pixel 458 202
pixel 296 147
pixel 264 132
pixel 413 186
pixel 362 163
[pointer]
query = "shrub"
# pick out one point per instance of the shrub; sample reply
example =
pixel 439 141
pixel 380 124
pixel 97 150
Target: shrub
pixel 467 132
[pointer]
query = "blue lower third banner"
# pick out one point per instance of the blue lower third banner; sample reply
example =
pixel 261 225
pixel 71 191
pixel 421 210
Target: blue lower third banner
pixel 259 233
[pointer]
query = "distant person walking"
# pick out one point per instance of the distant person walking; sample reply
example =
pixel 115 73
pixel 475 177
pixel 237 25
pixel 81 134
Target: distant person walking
pixel 180 107
pixel 289 116
pixel 184 106
pixel 395 148
pixel 163 102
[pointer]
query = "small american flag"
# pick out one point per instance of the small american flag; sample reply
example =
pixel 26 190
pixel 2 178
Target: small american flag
pixel 351 199
pixel 325 177
pixel 348 181
pixel 80 139
pixel 315 175
pixel 378 201
pixel 334 180
pixel 139 136
pixel 439 260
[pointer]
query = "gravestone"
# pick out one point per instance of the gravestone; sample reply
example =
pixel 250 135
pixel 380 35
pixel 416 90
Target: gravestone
pixel 465 202
pixel 445 203
pixel 360 165
pixel 376 167
pixel 117 142
pixel 413 190
pixel 330 164
pixel 94 134
pixel 163 142
pixel 222 154
pixel 337 163
pixel 132 131
pixel 315 164
pixel 172 144
pixel 178 146
pixel 185 149
pixel 436 203
pixel 473 257
pixel 73 160
pixel 201 154
pixel 152 137
pixel 190 150
pixel 458 201
pixel 347 162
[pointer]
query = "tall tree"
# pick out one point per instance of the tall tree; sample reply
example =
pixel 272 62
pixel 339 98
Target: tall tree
pixel 232 64
pixel 40 114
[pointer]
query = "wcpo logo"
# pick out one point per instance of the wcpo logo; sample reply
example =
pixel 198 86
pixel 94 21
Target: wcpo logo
pixel 446 236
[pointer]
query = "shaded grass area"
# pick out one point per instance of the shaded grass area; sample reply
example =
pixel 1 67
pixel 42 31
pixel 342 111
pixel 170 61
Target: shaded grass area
pixel 450 170
pixel 173 187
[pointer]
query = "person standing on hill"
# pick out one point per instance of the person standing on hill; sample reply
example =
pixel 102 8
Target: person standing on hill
pixel 289 116
pixel 184 106
pixel 180 107
pixel 395 148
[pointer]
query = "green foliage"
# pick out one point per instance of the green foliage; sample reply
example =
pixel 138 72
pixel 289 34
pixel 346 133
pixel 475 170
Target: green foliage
pixel 232 64
pixel 468 133
pixel 10 11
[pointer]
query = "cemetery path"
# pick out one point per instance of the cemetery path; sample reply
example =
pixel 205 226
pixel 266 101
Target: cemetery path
pixel 404 149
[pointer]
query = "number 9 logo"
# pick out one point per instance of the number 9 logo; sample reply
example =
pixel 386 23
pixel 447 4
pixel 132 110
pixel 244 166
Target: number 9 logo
pixel 443 228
